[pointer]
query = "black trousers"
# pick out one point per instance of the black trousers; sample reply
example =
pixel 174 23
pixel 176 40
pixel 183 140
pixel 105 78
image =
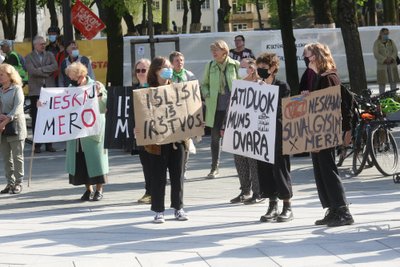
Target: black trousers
pixel 145 160
pixel 275 181
pixel 33 113
pixel 329 185
pixel 171 158
pixel 216 138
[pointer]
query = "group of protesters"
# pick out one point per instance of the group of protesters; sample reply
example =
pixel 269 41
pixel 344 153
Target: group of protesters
pixel 60 64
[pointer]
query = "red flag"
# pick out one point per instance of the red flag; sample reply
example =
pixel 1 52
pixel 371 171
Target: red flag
pixel 86 21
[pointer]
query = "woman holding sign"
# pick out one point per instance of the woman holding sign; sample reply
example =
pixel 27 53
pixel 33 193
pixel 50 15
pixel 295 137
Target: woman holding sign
pixel 12 128
pixel 329 185
pixel 86 159
pixel 167 156
pixel 216 90
pixel 275 180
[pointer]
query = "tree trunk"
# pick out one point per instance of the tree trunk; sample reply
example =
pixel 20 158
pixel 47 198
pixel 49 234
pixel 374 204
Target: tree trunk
pixel 195 7
pixel 115 46
pixel 53 14
pixel 223 14
pixel 129 23
pixel 289 45
pixel 31 27
pixel 371 13
pixel 389 12
pixel 322 14
pixel 260 23
pixel 185 16
pixel 346 10
pixel 7 19
pixel 165 16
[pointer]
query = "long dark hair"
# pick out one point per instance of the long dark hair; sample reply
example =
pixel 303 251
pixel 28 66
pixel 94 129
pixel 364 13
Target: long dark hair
pixel 156 64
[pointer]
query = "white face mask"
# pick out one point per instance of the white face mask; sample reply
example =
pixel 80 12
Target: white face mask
pixel 242 73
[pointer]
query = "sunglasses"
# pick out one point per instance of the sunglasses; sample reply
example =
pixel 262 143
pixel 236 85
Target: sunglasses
pixel 141 70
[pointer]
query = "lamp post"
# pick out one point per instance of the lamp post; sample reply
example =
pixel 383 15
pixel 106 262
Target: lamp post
pixel 67 21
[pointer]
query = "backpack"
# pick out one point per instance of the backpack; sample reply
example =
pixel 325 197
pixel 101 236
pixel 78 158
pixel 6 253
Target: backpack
pixel 348 106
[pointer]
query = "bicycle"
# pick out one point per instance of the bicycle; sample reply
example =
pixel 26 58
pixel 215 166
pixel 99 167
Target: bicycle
pixel 373 142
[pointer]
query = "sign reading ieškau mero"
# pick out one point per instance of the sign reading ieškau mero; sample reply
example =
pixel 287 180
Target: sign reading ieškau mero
pixel 168 113
pixel 312 123
pixel 251 120
pixel 67 113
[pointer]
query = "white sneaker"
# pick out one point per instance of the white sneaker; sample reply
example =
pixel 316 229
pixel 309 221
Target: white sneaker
pixel 180 215
pixel 159 218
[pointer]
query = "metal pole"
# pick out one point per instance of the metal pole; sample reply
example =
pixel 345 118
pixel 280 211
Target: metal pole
pixel 67 22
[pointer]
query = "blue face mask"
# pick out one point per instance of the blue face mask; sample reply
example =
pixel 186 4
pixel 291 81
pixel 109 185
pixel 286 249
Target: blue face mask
pixel 52 38
pixel 166 73
pixel 75 53
pixel 385 37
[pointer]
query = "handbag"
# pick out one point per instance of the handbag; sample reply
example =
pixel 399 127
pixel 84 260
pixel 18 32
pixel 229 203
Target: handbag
pixel 10 129
pixel 398 60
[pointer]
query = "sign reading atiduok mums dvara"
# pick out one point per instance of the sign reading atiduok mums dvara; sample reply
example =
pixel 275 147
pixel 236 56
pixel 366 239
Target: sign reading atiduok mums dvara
pixel 251 120
pixel 168 113
pixel 67 113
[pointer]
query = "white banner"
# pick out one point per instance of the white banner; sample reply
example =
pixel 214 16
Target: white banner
pixel 251 120
pixel 67 113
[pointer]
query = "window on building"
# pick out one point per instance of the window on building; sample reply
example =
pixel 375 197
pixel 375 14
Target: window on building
pixel 239 26
pixel 238 9
pixel 156 5
pixel 206 4
pixel 261 5
pixel 179 4
pixel 206 28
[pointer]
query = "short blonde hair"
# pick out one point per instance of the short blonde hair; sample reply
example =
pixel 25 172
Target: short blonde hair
pixel 12 73
pixel 220 44
pixel 76 69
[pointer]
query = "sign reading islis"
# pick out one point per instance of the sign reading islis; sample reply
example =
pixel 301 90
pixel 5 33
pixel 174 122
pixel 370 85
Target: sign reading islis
pixel 86 21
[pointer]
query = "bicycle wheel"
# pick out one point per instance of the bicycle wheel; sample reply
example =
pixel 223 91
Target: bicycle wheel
pixel 384 151
pixel 360 151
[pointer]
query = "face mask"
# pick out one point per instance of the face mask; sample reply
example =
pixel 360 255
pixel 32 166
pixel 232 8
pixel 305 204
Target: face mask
pixel 263 73
pixel 52 38
pixel 74 83
pixel 242 73
pixel 75 53
pixel 385 37
pixel 307 61
pixel 166 73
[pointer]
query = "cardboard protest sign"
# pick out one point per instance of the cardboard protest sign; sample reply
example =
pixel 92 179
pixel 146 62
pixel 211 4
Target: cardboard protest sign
pixel 168 113
pixel 119 118
pixel 86 21
pixel 251 120
pixel 312 123
pixel 67 113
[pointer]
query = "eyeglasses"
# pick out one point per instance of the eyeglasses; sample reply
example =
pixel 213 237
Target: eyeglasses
pixel 141 70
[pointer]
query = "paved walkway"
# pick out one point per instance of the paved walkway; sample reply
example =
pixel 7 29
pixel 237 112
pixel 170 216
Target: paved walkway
pixel 46 225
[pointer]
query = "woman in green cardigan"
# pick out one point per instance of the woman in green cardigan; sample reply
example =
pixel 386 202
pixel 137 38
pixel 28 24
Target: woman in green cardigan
pixel 216 90
pixel 87 160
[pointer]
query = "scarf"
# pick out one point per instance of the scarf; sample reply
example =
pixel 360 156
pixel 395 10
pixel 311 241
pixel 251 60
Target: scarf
pixel 179 76
pixel 222 78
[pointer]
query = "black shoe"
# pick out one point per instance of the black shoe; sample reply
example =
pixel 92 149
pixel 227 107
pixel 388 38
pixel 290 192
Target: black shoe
pixel 88 195
pixel 98 196
pixel 51 149
pixel 329 214
pixel 342 217
pixel 240 198
pixel 7 189
pixel 253 200
pixel 286 214
pixel 272 212
pixel 16 189
pixel 213 173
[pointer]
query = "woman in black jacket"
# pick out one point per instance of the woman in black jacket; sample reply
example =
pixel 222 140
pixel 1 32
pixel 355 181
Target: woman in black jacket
pixel 329 185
